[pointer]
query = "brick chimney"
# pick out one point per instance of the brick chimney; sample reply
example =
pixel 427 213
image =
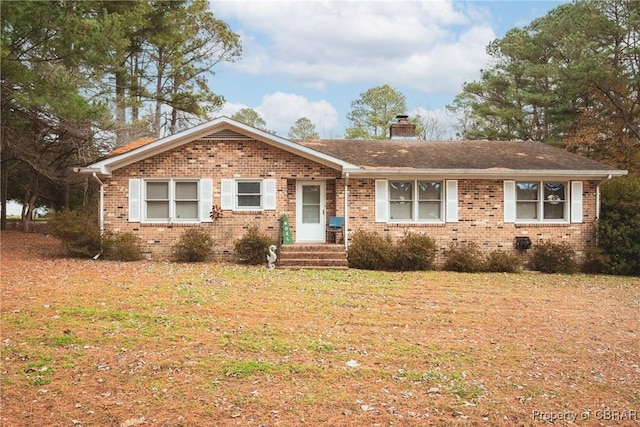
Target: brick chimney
pixel 402 129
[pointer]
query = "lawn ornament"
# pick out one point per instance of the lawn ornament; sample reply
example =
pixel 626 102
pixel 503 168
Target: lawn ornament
pixel 272 257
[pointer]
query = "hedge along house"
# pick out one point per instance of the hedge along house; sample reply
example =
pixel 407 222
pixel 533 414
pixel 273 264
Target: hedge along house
pixel 501 195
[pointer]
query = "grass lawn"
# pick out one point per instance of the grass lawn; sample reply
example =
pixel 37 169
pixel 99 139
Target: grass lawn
pixel 101 343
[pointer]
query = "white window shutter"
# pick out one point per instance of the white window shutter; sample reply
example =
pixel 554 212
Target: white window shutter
pixel 382 200
pixel 226 194
pixel 135 199
pixel 452 200
pixel 576 201
pixel 269 187
pixel 206 199
pixel 509 197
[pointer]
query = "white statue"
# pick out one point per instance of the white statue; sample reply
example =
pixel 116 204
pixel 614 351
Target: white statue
pixel 272 257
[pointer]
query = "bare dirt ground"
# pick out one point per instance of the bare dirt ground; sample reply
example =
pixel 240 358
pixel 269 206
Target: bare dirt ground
pixel 103 343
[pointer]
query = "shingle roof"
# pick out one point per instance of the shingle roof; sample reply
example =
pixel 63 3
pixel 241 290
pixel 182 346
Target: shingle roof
pixel 461 155
pixel 131 146
pixel 389 156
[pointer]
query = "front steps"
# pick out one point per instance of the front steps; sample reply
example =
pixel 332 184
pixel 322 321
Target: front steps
pixel 312 256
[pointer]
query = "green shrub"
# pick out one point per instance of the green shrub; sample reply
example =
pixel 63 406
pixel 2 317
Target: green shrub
pixel 619 225
pixel 549 257
pixel 414 252
pixel 122 246
pixel 253 247
pixel 370 251
pixel 465 257
pixel 502 262
pixel 79 232
pixel 596 261
pixel 194 245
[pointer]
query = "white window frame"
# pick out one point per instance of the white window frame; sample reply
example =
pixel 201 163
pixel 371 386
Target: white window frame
pixel 415 201
pixel 540 202
pixel 172 201
pixel 229 194
pixel 137 200
pixel 237 194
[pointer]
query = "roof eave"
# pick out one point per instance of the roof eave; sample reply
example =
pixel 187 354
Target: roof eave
pixel 486 173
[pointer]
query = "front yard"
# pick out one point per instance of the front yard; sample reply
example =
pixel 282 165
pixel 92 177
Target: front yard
pixel 102 343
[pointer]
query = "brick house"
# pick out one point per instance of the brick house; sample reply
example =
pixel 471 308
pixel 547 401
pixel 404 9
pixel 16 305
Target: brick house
pixel 498 194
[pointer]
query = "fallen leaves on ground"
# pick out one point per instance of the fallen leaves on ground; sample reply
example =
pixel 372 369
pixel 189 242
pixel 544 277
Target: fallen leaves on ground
pixel 104 343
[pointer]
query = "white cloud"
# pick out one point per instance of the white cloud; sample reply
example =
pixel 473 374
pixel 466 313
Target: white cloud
pixel 281 110
pixel 229 109
pixel 428 46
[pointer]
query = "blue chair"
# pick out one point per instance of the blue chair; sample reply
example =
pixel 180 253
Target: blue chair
pixel 336 225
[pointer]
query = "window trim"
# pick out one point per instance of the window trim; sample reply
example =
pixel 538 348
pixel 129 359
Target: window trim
pixel 415 202
pixel 540 203
pixel 229 194
pixel 171 201
pixel 237 194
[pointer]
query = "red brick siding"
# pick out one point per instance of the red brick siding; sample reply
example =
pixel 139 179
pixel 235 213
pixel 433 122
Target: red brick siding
pixel 480 206
pixel 216 160
pixel 480 219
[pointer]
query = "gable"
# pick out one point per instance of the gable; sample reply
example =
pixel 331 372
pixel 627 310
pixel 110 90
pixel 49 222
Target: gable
pixel 221 128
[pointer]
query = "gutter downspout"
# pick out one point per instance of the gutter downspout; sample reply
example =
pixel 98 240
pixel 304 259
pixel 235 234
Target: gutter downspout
pixel 598 204
pixel 101 214
pixel 345 232
pixel 598 196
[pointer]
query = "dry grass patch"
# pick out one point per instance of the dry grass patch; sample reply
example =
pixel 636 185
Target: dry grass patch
pixel 113 344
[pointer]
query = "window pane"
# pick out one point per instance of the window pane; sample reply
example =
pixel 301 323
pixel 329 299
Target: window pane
pixel 429 190
pixel 157 210
pixel 527 191
pixel 554 210
pixel 554 191
pixel 249 201
pixel 429 210
pixel 527 210
pixel 311 214
pixel 186 191
pixel 401 210
pixel 401 190
pixel 311 194
pixel 157 190
pixel 186 210
pixel 246 187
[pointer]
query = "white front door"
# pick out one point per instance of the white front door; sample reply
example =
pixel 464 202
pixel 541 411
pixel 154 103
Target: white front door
pixel 310 211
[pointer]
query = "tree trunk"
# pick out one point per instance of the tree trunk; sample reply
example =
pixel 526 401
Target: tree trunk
pixel 28 207
pixel 158 116
pixel 121 105
pixel 174 110
pixel 3 197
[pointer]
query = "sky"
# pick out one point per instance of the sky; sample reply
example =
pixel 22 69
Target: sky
pixel 314 58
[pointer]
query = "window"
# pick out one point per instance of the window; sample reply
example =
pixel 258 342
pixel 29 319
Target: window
pixel 248 194
pixel 171 200
pixel 401 200
pixel 541 201
pixel 415 200
pixel 429 200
